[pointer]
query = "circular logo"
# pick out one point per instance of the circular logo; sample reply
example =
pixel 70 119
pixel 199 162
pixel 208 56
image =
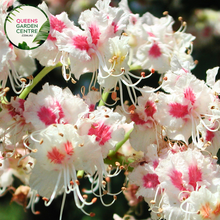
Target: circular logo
pixel 27 27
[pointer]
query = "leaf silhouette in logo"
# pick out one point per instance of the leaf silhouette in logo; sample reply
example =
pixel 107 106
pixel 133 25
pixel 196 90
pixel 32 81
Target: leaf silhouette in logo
pixel 43 33
pixel 23 46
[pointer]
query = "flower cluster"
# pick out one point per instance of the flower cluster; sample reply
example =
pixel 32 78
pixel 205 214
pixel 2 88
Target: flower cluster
pixel 165 139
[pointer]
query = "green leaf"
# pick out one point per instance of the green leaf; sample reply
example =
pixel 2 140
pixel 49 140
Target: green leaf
pixel 43 33
pixel 23 46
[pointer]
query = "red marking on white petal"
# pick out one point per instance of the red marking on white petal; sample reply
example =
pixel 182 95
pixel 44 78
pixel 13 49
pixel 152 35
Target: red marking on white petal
pixel 155 51
pixel 195 175
pixel 216 211
pixel 136 119
pixel 55 156
pixel 81 43
pixel 176 179
pixel 56 24
pixel 209 135
pixel 21 103
pixel 69 148
pixel 101 131
pixel 115 27
pixel 47 114
pixel 155 164
pixel 178 110
pixel 189 95
pixel 95 33
pixel 150 34
pixel 150 108
pixel 150 180
pixel 51 38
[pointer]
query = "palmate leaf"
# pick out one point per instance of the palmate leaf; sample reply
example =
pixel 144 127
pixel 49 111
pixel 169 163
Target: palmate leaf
pixel 43 33
pixel 23 46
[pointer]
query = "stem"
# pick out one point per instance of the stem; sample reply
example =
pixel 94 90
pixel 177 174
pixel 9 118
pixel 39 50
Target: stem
pixel 104 98
pixel 37 79
pixel 118 145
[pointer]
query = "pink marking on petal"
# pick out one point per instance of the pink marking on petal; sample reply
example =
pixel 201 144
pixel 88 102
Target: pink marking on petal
pixel 209 135
pixel 95 33
pixel 155 164
pixel 176 179
pixel 69 148
pixel 150 109
pixel 81 43
pixel 21 103
pixel 136 119
pixel 51 38
pixel 55 156
pixel 155 51
pixel 150 180
pixel 189 95
pixel 56 24
pixel 150 34
pixel 47 114
pixel 115 27
pixel 101 131
pixel 195 175
pixel 11 46
pixel 91 107
pixel 178 110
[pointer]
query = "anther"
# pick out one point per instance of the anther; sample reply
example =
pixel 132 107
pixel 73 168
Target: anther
pixel 165 78
pixel 131 108
pixel 45 199
pixel 107 116
pixel 125 34
pixel 92 214
pixel 6 89
pixel 213 107
pixel 160 210
pixel 107 179
pixel 114 57
pixel 17 156
pixel 117 164
pixel 143 74
pixel 196 62
pixel 0 164
pixel 117 88
pixel 123 188
pixel 122 69
pixel 105 192
pixel 34 151
pixel 61 134
pixel 23 80
pixel 30 77
pixel 165 13
pixel 152 202
pixel 180 18
pixel 54 125
pixel 184 23
pixel 30 163
pixel 71 183
pixel 115 197
pixel 114 96
pixel 94 200
pixel 85 196
pixel 121 167
pixel 110 61
pixel 81 145
pixel 73 81
pixel 198 212
pixel 41 141
pixel 75 126
pixel 215 157
pixel 77 182
pixel 152 71
pixel 103 183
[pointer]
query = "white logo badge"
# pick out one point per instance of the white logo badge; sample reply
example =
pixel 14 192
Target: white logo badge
pixel 27 27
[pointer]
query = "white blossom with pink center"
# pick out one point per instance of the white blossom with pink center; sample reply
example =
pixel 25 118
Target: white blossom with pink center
pixel 181 111
pixel 60 152
pixel 85 47
pixel 146 130
pixel 53 105
pixel 182 173
pixel 105 125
